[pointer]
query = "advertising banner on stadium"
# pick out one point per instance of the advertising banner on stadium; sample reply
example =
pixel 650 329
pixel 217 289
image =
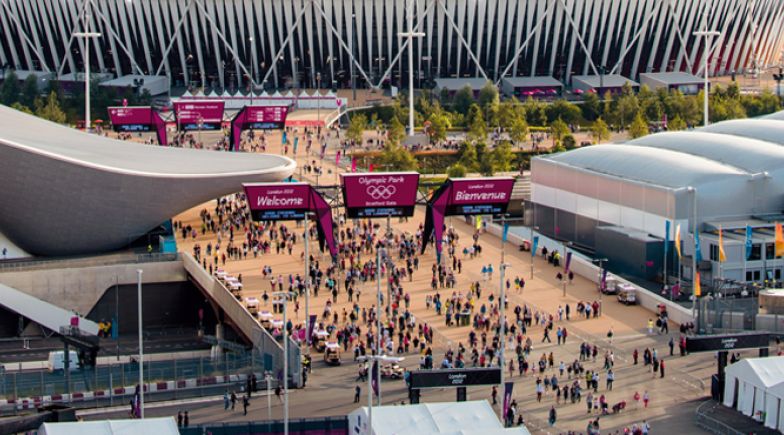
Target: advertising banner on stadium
pixel 380 194
pixel 257 118
pixel 199 115
pixel 473 196
pixel 138 119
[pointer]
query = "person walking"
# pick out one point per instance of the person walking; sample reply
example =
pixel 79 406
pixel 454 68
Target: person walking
pixel 661 369
pixel 245 403
pixel 179 419
pixel 494 395
pixel 671 343
pixel 650 326
pixel 357 393
pixel 185 420
pixel 233 400
pixel 553 416
pixel 226 400
pixel 645 398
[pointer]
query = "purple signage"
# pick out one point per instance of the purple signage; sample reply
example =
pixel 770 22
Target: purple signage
pixel 278 201
pixel 292 201
pixel 380 194
pixel 257 118
pixel 199 115
pixel 465 196
pixel 138 119
pixel 472 196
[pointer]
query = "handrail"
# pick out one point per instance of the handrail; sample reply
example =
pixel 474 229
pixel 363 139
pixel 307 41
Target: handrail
pixel 68 262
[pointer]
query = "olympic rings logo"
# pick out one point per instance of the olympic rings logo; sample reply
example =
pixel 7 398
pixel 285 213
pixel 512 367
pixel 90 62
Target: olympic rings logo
pixel 381 192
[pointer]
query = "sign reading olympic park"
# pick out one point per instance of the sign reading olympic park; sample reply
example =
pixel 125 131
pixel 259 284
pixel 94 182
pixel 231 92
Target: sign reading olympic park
pixel 465 196
pixel 199 115
pixel 292 201
pixel 727 342
pixel 257 118
pixel 380 194
pixel 441 378
pixel 138 119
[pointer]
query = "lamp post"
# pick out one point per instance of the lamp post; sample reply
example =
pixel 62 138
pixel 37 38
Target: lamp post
pixel 318 101
pixel 778 78
pixel 566 244
pixel 693 191
pixel 87 35
pixel 601 262
pixel 351 61
pixel 411 35
pixel 284 296
pixel 139 273
pixel 307 284
pixel 369 360
pixel 707 34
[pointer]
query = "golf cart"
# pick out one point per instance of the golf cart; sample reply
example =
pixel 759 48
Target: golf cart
pixel 265 317
pixel 627 294
pixel 332 354
pixel 253 305
pixel 392 371
pixel 320 340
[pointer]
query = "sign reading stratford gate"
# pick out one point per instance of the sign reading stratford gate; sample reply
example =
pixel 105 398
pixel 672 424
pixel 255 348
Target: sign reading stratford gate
pixel 380 195
pixel 441 378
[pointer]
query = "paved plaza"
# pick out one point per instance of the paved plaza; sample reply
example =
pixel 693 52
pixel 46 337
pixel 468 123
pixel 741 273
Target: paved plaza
pixel 330 389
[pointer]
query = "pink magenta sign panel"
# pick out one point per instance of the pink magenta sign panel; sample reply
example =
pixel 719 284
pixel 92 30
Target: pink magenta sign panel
pixel 481 191
pixel 380 195
pixel 265 114
pixel 210 112
pixel 130 115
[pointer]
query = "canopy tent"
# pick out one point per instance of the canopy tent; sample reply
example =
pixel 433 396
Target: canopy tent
pixel 157 426
pixel 756 385
pixel 449 418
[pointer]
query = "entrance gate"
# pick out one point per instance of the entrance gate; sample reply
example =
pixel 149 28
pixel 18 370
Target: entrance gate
pixel 451 378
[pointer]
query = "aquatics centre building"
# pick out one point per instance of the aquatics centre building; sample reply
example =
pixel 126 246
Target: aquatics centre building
pixel 236 44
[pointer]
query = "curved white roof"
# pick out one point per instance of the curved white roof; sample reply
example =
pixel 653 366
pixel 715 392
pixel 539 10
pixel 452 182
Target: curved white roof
pixel 32 134
pixel 748 155
pixel 660 167
pixel 767 129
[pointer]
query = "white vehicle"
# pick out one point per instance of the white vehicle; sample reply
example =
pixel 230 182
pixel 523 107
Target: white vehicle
pixel 56 361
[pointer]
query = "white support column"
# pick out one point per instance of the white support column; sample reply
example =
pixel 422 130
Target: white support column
pixel 343 44
pixel 411 35
pixel 463 40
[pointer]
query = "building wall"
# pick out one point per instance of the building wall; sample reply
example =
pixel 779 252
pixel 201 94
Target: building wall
pixel 221 42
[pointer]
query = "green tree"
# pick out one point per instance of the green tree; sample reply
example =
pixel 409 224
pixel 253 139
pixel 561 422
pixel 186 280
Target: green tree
pixel 477 128
pixel 638 127
pixel 439 123
pixel 591 107
pixel 396 131
pixel 518 130
pixel 558 129
pixel 50 109
pixel 396 158
pixel 22 108
pixel 469 158
pixel 535 112
pixel 356 127
pixel 599 131
pixel 764 103
pixel 29 91
pixel 502 157
pixel 626 109
pixel 676 124
pixel 456 171
pixel 486 165
pixel 464 98
pixel 10 89
pixel 489 101
pixel 569 142
pixel 566 111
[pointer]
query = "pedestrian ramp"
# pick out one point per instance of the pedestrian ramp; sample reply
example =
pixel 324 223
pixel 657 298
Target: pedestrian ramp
pixel 43 313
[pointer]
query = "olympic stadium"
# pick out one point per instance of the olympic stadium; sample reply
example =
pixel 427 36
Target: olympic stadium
pixel 238 44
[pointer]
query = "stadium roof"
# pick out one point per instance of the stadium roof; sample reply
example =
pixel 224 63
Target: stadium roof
pixel 605 81
pixel 455 84
pixel 673 78
pixel 766 128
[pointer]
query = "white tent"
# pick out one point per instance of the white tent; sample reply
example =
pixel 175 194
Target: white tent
pixel 756 385
pixel 157 426
pixel 450 418
pixel 774 408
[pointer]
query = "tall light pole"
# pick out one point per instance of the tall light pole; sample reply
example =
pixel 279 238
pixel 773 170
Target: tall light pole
pixel 139 273
pixel 351 61
pixel 564 278
pixel 693 192
pixel 377 359
pixel 87 35
pixel 411 35
pixel 318 101
pixel 307 284
pixel 285 297
pixel 708 49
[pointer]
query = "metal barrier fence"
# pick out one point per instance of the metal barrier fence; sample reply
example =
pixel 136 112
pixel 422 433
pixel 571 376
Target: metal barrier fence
pixel 15 385
pixel 78 261
pixel 305 426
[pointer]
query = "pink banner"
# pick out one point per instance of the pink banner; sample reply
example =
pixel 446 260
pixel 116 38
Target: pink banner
pixel 194 115
pixel 380 194
pixel 278 201
pixel 257 118
pixel 472 196
pixel 138 119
